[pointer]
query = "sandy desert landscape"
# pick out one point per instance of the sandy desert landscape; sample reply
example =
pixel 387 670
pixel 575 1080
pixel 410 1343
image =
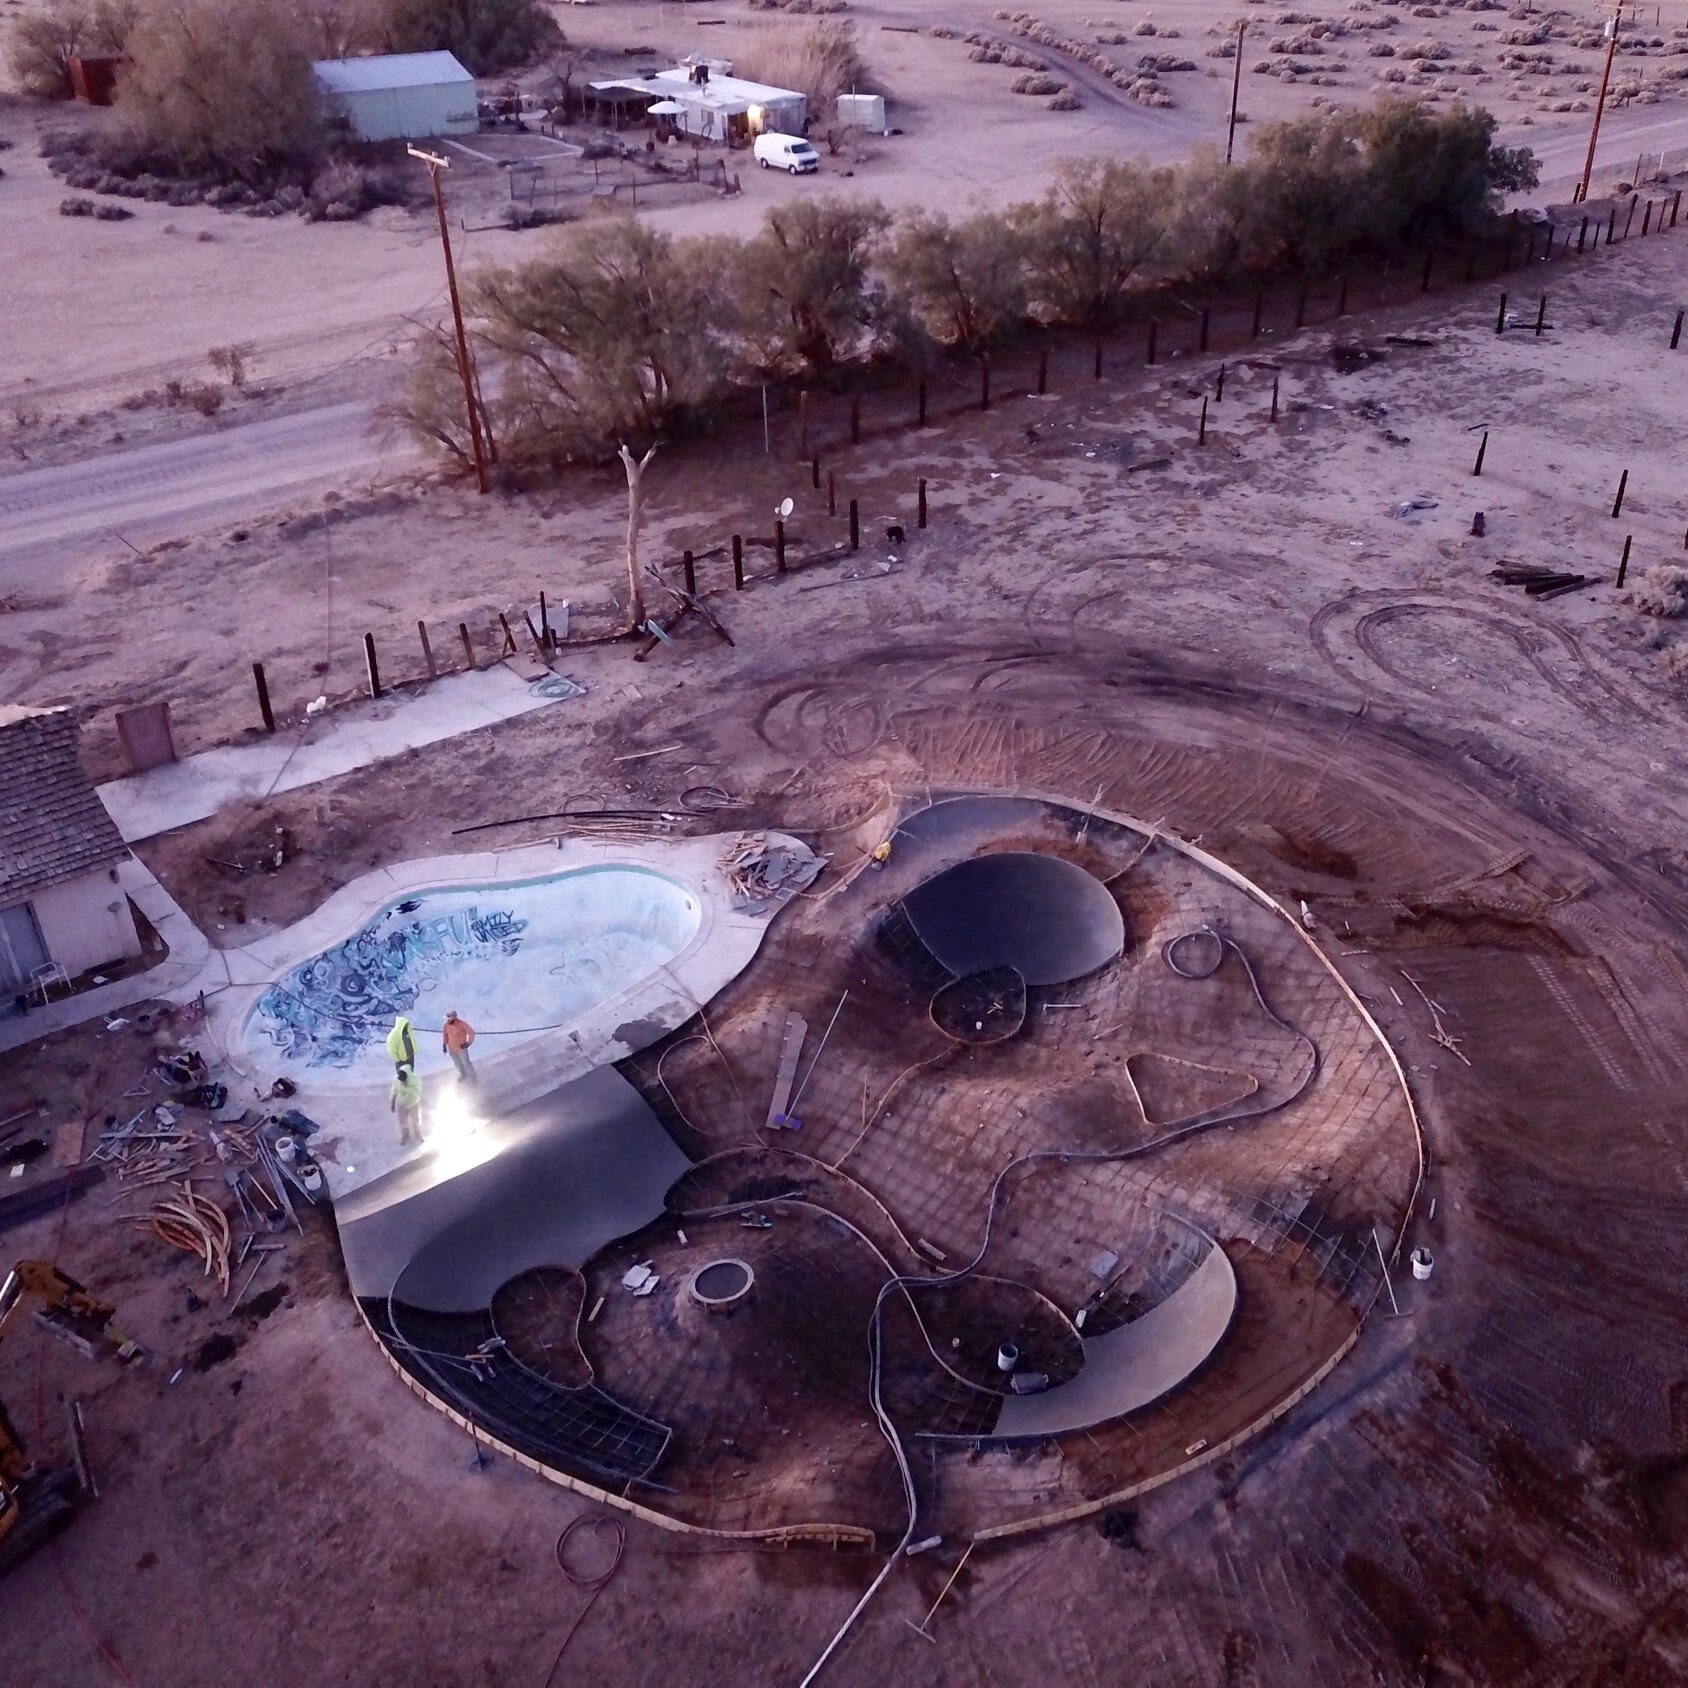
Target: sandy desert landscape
pixel 1366 590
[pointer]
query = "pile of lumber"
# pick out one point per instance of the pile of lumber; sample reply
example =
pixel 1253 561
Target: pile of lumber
pixel 1541 582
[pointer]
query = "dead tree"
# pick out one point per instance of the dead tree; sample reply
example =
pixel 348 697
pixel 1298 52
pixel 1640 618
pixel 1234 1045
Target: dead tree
pixel 635 467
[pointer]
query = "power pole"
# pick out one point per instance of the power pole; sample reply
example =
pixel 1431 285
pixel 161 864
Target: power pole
pixel 465 369
pixel 1236 89
pixel 1600 104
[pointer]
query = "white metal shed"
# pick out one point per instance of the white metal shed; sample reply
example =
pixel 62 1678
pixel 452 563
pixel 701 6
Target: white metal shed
pixel 400 96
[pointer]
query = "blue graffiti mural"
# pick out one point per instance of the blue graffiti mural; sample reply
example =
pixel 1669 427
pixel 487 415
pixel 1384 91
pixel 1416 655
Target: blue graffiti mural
pixel 329 1009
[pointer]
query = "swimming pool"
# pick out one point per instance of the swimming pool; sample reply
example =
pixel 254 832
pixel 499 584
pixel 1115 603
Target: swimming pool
pixel 513 960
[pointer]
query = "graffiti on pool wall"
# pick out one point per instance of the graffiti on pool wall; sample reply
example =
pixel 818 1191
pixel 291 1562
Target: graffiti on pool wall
pixel 329 1009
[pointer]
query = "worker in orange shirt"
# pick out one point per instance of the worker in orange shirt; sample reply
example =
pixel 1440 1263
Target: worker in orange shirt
pixel 459 1034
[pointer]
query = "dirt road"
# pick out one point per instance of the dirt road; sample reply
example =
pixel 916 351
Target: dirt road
pixel 49 517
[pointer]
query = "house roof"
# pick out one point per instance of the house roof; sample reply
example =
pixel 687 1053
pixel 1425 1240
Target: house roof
pixel 53 825
pixel 721 92
pixel 389 70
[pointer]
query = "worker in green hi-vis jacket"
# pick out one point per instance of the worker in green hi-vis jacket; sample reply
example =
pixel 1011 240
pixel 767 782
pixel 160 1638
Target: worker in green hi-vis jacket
pixel 401 1046
pixel 405 1100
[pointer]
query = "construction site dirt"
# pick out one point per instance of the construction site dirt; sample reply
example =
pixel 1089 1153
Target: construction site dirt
pixel 1285 649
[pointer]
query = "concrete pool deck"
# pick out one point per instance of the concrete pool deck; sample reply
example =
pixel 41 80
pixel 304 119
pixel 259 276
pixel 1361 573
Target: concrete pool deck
pixel 643 1010
pixel 193 789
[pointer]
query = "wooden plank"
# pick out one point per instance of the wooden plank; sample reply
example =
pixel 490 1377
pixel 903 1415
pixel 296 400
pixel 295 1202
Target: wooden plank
pixel 796 1029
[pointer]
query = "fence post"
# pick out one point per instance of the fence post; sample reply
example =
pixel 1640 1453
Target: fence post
pixel 1611 225
pixel 370 663
pixel 920 507
pixel 1541 316
pixel 1676 332
pixel 831 493
pixel 1623 486
pixel 1201 426
pixel 1630 219
pixel 1482 452
pixel 855 526
pixel 738 562
pixel 1547 254
pixel 779 545
pixel 1582 235
pixel 815 473
pixel 263 697
pixel 1219 386
pixel 427 649
pixel 689 564
pixel 468 644
pixel 1274 398
pixel 1647 219
pixel 1500 316
pixel 1623 562
pixel 802 421
pixel 1675 206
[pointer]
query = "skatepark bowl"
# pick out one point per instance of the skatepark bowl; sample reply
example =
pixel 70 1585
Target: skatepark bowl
pixel 513 959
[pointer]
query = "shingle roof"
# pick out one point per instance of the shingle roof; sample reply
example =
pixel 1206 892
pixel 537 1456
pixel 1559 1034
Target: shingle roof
pixel 389 70
pixel 53 825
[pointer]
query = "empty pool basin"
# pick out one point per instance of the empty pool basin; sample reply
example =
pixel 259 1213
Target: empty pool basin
pixel 514 960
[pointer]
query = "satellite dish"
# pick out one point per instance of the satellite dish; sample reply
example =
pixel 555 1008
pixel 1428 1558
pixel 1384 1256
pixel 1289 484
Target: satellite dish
pixel 784 508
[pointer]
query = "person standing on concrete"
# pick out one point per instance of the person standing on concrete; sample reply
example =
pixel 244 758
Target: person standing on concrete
pixel 405 1100
pixel 401 1045
pixel 458 1035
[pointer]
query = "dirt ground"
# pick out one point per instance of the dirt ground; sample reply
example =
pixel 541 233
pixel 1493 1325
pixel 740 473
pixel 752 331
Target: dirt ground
pixel 1469 786
pixel 325 301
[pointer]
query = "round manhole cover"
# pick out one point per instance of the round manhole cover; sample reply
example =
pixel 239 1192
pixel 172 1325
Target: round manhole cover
pixel 721 1283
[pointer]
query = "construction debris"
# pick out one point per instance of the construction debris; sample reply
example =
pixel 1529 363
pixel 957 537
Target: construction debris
pixel 764 871
pixel 1541 582
pixel 196 1224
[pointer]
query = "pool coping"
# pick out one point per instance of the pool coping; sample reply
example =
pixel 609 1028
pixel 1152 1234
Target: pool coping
pixel 720 948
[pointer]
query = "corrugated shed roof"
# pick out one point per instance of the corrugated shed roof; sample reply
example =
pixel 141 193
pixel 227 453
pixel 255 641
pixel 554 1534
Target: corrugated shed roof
pixel 53 825
pixel 389 70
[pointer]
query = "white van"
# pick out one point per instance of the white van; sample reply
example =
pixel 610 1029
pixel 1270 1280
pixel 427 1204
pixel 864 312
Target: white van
pixel 786 152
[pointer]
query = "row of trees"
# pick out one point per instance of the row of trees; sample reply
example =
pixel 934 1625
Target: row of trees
pixel 224 88
pixel 628 334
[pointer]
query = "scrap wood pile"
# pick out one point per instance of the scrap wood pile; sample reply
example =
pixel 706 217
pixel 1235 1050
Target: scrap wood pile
pixel 195 1223
pixel 764 870
pixel 1541 582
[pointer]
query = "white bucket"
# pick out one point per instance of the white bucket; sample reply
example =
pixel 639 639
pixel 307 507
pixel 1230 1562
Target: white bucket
pixel 1423 1263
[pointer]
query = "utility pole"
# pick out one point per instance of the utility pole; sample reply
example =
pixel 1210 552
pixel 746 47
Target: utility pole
pixel 1600 104
pixel 1236 89
pixel 465 370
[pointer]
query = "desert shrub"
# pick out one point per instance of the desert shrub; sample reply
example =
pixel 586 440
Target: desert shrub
pixel 1662 591
pixel 43 43
pixel 1066 100
pixel 218 88
pixel 819 59
pixel 808 295
pixel 1037 82
pixel 343 189
pixel 1091 236
pixel 963 285
pixel 620 336
pixel 487 35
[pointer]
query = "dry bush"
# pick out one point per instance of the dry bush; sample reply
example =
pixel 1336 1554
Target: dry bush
pixel 1037 82
pixel 487 35
pixel 819 59
pixel 1676 663
pixel 1661 591
pixel 1066 100
pixel 219 88
pixel 44 43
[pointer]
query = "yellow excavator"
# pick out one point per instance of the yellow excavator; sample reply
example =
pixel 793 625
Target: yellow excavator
pixel 37 1501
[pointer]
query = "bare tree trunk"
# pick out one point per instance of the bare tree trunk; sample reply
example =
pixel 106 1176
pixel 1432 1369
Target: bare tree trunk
pixel 635 467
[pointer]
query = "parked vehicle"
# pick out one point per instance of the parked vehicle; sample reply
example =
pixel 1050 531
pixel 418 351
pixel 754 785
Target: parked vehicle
pixel 786 152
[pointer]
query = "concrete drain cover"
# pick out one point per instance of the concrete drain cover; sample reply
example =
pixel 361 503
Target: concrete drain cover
pixel 721 1284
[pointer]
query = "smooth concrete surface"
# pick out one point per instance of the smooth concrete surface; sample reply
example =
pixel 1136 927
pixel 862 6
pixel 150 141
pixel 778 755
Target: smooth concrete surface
pixel 179 793
pixel 1136 1364
pixel 554 1182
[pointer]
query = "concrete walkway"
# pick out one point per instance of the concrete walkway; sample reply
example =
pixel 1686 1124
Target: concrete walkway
pixel 144 805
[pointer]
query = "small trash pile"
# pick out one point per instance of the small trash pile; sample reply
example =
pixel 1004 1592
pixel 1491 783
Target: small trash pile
pixel 184 1149
pixel 764 871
